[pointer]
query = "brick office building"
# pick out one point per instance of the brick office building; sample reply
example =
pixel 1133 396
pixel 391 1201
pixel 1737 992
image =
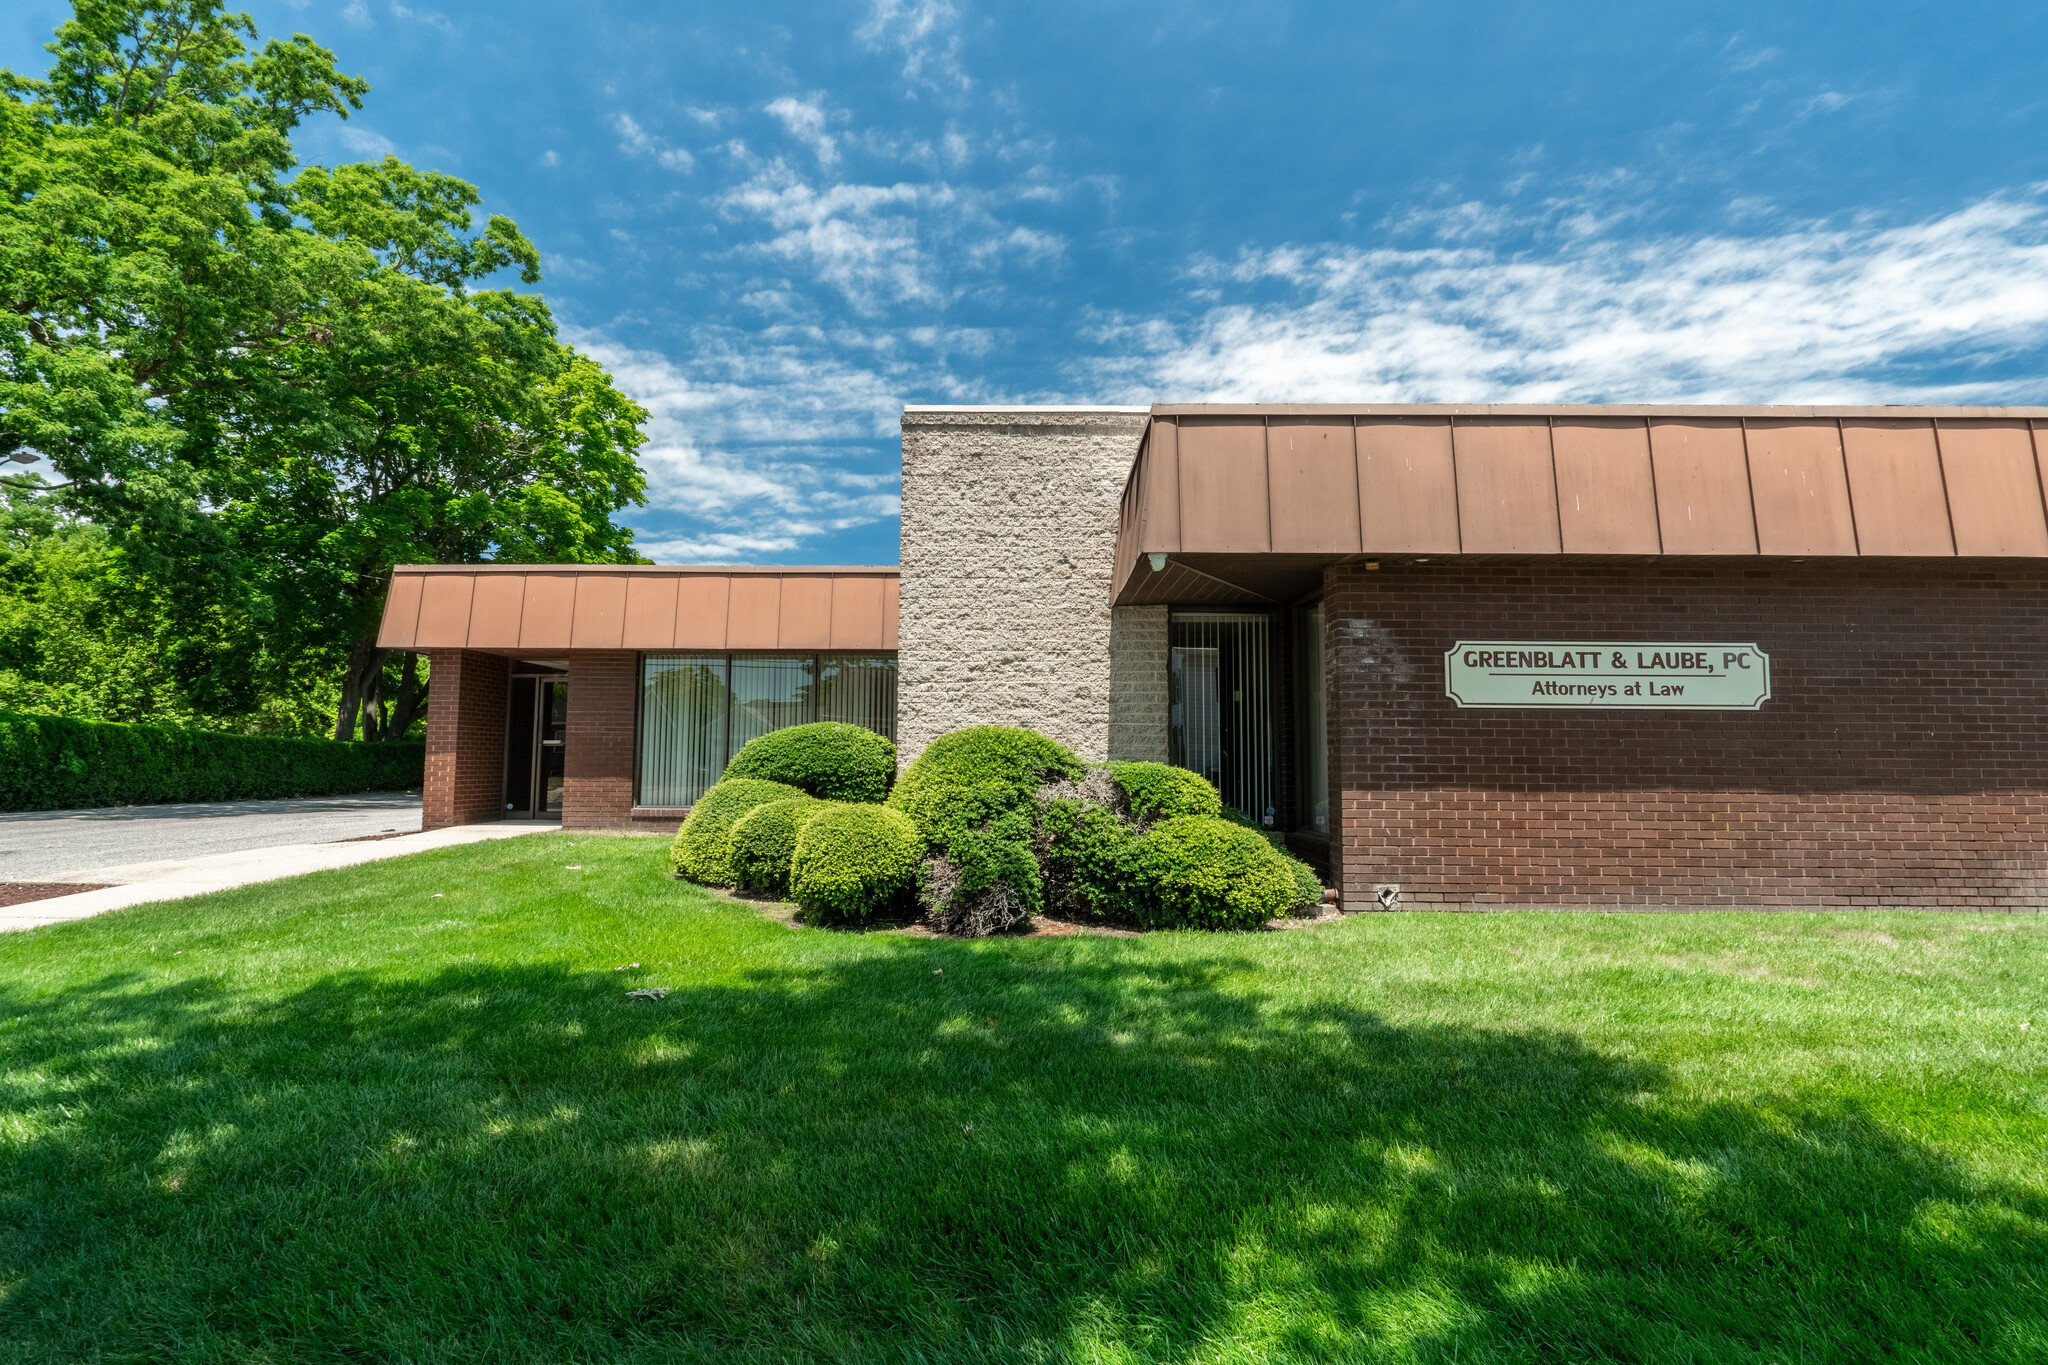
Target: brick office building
pixel 1492 655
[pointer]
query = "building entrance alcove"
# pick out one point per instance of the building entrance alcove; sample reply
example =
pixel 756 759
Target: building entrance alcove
pixel 537 725
pixel 1221 693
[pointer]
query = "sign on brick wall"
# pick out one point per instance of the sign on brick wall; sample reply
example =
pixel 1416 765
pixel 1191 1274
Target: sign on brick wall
pixel 1661 676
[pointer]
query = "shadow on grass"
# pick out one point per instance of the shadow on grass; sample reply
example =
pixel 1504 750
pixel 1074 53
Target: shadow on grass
pixel 1086 1155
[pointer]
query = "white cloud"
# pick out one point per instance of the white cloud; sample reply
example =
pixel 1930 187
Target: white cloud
pixel 879 245
pixel 431 18
pixel 805 120
pixel 716 548
pixel 1826 102
pixel 748 441
pixel 918 29
pixel 1815 313
pixel 357 13
pixel 862 240
pixel 637 141
pixel 365 142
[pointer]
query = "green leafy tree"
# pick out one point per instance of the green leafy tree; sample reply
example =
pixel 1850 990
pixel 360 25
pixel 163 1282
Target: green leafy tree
pixel 280 380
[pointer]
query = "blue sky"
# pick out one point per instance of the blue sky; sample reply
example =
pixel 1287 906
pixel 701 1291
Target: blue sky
pixel 778 223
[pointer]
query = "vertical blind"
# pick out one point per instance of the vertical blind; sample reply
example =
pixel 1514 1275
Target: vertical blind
pixel 696 711
pixel 1221 680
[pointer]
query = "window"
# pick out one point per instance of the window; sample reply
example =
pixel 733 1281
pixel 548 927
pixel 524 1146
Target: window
pixel 697 710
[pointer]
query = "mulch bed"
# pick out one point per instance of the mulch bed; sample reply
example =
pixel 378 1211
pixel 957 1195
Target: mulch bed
pixel 21 893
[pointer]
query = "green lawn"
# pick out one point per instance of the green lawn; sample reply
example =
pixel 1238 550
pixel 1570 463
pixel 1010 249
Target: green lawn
pixel 404 1112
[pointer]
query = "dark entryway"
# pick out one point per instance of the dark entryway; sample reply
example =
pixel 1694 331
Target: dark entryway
pixel 536 731
pixel 1222 696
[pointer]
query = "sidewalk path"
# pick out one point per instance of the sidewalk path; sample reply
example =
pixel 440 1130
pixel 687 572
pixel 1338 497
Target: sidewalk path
pixel 59 845
pixel 176 878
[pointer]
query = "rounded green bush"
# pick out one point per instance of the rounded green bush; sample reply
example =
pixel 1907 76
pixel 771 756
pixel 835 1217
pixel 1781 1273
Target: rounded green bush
pixel 763 841
pixel 1088 853
pixel 830 760
pixel 992 769
pixel 1160 791
pixel 702 850
pixel 853 862
pixel 1308 887
pixel 1202 872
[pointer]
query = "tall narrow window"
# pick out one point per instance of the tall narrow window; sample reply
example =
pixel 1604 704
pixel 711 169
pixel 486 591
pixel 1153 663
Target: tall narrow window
pixel 1220 676
pixel 682 728
pixel 858 689
pixel 1311 711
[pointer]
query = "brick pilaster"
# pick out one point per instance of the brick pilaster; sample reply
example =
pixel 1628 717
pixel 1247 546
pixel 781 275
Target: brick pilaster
pixel 465 778
pixel 597 785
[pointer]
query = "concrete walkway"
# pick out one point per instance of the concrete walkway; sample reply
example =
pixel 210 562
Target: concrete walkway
pixel 60 845
pixel 129 884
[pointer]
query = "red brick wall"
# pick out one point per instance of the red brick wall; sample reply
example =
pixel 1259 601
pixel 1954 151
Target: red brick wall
pixel 465 779
pixel 597 771
pixel 1902 759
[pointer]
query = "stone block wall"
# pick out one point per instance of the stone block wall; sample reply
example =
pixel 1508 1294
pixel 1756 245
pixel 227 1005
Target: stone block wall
pixel 465 773
pixel 1139 707
pixel 1901 760
pixel 1009 541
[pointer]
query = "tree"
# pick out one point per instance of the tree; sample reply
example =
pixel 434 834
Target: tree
pixel 282 380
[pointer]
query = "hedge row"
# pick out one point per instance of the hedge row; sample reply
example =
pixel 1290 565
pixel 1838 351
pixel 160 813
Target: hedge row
pixel 52 763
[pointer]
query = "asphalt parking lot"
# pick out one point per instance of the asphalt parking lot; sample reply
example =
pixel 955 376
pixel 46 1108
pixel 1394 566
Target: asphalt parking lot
pixel 57 845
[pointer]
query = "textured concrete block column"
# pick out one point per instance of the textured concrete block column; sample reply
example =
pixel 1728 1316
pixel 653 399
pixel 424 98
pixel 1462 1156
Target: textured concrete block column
pixel 465 778
pixel 1139 707
pixel 1009 542
pixel 597 760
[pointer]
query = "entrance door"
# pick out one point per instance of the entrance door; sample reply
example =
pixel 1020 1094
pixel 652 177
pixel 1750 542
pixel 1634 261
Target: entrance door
pixel 536 734
pixel 1222 696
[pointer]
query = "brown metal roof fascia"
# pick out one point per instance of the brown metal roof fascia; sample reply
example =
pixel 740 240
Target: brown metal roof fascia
pixel 1224 487
pixel 1994 489
pixel 1606 486
pixel 1546 410
pixel 1581 479
pixel 400 625
pixel 1507 486
pixel 1312 471
pixel 1896 487
pixel 524 608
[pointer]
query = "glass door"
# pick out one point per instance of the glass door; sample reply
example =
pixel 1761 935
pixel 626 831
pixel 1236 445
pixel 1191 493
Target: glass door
pixel 552 706
pixel 536 735
pixel 1220 679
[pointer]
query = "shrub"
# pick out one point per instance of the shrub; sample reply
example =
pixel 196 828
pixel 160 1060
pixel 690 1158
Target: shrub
pixel 1160 791
pixel 992 769
pixel 1308 887
pixel 1240 819
pixel 853 862
pixel 703 850
pixel 973 796
pixel 763 841
pixel 830 760
pixel 983 880
pixel 55 763
pixel 1088 859
pixel 1201 872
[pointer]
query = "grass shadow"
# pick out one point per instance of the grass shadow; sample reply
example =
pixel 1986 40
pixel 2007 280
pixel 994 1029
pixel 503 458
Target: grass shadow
pixel 939 1152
